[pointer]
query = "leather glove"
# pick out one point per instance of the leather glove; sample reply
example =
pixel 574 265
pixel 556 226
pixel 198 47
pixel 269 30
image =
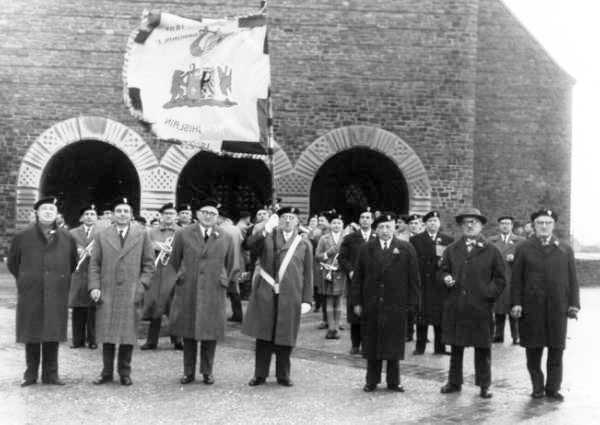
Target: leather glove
pixel 516 311
pixel 305 308
pixel 572 313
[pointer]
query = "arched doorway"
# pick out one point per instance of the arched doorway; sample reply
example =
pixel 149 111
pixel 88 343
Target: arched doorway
pixel 89 171
pixel 355 178
pixel 237 183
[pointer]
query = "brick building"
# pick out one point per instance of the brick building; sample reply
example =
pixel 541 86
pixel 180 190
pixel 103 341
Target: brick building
pixel 402 104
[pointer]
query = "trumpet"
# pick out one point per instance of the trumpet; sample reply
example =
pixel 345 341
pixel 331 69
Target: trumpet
pixel 87 252
pixel 165 251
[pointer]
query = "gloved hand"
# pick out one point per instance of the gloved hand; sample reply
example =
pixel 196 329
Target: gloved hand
pixel 272 223
pixel 95 295
pixel 449 281
pixel 357 310
pixel 516 311
pixel 572 313
pixel 305 308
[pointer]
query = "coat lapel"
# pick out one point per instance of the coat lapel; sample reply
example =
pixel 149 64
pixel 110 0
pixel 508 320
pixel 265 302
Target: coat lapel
pixel 132 237
pixel 112 238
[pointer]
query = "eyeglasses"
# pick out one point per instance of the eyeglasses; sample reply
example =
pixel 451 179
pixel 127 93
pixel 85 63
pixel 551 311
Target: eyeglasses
pixel 209 213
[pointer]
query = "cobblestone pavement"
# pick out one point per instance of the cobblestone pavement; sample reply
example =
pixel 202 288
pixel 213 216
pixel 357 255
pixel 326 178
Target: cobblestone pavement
pixel 328 384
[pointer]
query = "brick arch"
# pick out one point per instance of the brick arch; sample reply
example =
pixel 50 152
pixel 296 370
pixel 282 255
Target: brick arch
pixel 176 157
pixel 296 185
pixel 74 130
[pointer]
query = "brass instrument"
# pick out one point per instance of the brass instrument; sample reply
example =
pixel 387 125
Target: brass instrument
pixel 165 251
pixel 87 252
pixel 330 267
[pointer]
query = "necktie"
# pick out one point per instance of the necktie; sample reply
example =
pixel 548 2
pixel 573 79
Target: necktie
pixel 470 243
pixel 87 232
pixel 206 235
pixel 122 236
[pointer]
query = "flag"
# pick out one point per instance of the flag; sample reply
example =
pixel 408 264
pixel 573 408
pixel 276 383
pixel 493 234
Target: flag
pixel 203 82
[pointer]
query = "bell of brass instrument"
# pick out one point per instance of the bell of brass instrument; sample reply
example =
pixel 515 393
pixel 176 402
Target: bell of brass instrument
pixel 87 252
pixel 165 252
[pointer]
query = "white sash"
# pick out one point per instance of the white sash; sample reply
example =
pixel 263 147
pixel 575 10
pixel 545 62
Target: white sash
pixel 282 267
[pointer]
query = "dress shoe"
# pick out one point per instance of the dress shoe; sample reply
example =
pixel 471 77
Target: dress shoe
pixel 537 394
pixel 418 352
pixel 234 319
pixel 485 393
pixel 442 353
pixel 355 350
pixel 93 346
pixel 286 382
pixel 28 382
pixel 208 379
pixel 322 325
pixel 256 381
pixel 368 388
pixel 396 388
pixel 187 379
pixel 53 381
pixel 126 380
pixel 498 339
pixel 333 335
pixel 102 379
pixel 554 395
pixel 148 346
pixel 178 346
pixel 450 388
pixel 77 346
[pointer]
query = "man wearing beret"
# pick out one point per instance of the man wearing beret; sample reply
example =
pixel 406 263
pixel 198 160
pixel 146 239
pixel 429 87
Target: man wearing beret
pixel 282 292
pixel 430 246
pixel 42 258
pixel 157 299
pixel 205 255
pixel 184 215
pixel 473 270
pixel 83 318
pixel 415 224
pixel 120 270
pixel 505 241
pixel 544 294
pixel 347 260
pixel 384 288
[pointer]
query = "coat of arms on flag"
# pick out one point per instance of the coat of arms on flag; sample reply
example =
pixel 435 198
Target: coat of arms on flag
pixel 201 82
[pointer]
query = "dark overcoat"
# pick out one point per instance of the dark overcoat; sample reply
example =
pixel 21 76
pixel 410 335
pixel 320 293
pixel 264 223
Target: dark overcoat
pixel 42 268
pixel 119 272
pixel 544 283
pixel 157 299
pixel 502 305
pixel 79 295
pixel 347 260
pixel 296 287
pixel 480 279
pixel 385 285
pixel 198 309
pixel 433 292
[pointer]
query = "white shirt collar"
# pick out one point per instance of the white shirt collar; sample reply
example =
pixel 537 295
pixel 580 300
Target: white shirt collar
pixel 125 230
pixel 203 229
pixel 287 235
pixel 366 235
pixel 383 243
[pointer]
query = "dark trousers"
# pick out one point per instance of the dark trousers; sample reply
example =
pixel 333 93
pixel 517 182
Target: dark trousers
pixel 483 366
pixel 263 353
pixel 83 325
pixel 123 360
pixel 190 354
pixel 355 336
pixel 392 372
pixel 49 354
pixel 553 368
pixel 154 333
pixel 410 325
pixel 236 305
pixel 500 320
pixel 438 346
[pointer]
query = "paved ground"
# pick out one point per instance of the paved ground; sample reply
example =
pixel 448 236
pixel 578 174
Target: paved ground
pixel 327 391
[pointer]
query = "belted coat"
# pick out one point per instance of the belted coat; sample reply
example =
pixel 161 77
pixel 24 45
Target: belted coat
pixel 157 299
pixel 480 279
pixel 433 292
pixel 198 309
pixel 262 321
pixel 544 283
pixel 385 285
pixel 120 273
pixel 42 268
pixel 79 294
pixel 502 305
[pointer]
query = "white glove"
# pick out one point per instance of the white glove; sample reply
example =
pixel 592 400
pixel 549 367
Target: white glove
pixel 449 281
pixel 305 308
pixel 516 311
pixel 272 223
pixel 95 295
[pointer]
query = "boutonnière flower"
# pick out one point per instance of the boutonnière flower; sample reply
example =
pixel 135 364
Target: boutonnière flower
pixel 395 251
pixel 438 240
pixel 480 244
pixel 556 243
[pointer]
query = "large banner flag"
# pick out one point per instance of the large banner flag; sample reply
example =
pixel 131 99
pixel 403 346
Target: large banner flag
pixel 203 83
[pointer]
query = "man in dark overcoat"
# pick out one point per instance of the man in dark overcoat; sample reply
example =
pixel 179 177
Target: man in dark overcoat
pixel 281 293
pixel 544 294
pixel 430 246
pixel 120 270
pixel 204 253
pixel 157 300
pixel 42 258
pixel 506 241
pixel 473 270
pixel 83 311
pixel 384 288
pixel 347 262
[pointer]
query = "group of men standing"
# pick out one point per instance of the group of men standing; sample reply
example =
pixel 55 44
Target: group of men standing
pixel 115 275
